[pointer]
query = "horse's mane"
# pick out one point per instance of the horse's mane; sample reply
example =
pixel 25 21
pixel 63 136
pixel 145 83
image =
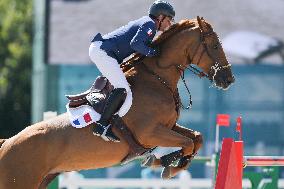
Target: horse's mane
pixel 175 28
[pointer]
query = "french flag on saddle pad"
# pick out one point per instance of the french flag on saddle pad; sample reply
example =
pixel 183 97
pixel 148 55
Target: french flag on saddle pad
pixel 82 116
pixel 86 119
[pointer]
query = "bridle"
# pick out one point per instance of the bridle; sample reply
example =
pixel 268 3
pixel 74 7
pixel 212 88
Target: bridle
pixel 181 68
pixel 214 68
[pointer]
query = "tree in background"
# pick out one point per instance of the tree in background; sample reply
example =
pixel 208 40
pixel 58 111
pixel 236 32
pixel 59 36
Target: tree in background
pixel 15 65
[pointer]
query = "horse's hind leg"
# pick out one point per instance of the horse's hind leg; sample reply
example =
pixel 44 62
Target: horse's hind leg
pixel 19 170
pixel 8 181
pixel 47 180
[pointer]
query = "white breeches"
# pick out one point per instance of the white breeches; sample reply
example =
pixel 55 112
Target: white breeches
pixel 110 68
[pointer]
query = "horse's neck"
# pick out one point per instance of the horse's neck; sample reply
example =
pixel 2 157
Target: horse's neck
pixel 160 67
pixel 165 66
pixel 173 54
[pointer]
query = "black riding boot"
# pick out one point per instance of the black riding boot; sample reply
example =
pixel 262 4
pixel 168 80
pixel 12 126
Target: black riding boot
pixel 114 102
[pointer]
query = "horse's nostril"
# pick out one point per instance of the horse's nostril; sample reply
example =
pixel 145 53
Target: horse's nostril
pixel 231 79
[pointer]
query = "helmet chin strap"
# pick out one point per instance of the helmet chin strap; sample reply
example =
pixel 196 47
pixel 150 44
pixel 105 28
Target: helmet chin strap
pixel 160 22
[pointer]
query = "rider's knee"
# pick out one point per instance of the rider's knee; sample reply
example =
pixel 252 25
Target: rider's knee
pixel 127 96
pixel 92 52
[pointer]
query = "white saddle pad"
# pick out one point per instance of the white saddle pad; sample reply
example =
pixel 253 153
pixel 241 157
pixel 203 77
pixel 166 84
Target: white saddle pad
pixel 82 116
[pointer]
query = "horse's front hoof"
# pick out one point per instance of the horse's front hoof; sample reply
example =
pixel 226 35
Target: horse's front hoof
pixel 149 161
pixel 170 172
pixel 166 173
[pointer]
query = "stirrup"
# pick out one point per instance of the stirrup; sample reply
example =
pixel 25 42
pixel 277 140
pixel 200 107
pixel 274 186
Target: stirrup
pixel 110 135
pixel 107 134
pixel 98 129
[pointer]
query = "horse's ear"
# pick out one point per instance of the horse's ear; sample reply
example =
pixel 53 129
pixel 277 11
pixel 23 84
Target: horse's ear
pixel 198 20
pixel 203 20
pixel 200 23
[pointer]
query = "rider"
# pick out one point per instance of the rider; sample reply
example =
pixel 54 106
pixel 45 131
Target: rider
pixel 108 51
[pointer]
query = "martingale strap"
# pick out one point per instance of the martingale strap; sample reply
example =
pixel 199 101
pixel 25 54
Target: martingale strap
pixel 187 89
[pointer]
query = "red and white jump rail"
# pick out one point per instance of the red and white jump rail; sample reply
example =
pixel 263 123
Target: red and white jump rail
pixel 264 160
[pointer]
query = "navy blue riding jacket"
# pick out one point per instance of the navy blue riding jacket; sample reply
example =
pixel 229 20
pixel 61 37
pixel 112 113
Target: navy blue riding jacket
pixel 133 37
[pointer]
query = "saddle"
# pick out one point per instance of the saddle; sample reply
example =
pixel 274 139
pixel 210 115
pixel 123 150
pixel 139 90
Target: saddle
pixel 96 97
pixel 98 93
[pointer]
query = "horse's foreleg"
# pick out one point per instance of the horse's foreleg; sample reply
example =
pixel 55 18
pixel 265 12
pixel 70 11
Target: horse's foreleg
pixel 194 135
pixel 184 162
pixel 166 137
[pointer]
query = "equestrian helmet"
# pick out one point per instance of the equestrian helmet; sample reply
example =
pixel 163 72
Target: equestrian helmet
pixel 160 7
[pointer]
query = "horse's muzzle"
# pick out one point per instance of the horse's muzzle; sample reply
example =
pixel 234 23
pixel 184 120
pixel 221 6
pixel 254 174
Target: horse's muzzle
pixel 229 82
pixel 224 79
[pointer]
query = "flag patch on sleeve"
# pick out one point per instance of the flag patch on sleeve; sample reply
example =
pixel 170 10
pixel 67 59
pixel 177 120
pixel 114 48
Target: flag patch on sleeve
pixel 150 32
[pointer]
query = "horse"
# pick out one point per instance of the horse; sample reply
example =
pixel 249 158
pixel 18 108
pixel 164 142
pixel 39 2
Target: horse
pixel 37 154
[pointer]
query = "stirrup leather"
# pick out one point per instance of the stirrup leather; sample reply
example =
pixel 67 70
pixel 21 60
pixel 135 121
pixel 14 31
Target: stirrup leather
pixel 103 135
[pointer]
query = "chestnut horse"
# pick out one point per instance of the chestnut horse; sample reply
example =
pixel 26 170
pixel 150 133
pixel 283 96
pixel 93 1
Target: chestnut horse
pixel 33 157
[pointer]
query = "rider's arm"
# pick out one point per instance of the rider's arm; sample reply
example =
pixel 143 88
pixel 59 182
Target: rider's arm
pixel 144 36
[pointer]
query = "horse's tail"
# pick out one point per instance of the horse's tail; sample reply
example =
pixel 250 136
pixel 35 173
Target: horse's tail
pixel 2 141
